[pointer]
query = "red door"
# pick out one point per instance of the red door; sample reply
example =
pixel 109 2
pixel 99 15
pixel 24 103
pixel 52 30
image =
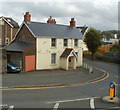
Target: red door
pixel 30 63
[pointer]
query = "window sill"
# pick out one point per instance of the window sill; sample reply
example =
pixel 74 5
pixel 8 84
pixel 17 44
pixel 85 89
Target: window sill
pixel 76 46
pixel 53 47
pixel 53 64
pixel 65 46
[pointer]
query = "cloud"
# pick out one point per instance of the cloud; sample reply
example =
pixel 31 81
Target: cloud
pixel 100 14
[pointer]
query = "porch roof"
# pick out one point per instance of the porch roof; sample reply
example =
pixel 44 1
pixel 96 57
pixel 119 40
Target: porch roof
pixel 66 53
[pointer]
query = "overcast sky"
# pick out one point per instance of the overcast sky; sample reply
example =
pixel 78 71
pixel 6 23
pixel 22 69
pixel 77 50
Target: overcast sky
pixel 100 14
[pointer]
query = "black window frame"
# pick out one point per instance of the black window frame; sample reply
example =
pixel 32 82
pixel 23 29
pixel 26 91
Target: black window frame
pixel 76 42
pixel 65 42
pixel 53 42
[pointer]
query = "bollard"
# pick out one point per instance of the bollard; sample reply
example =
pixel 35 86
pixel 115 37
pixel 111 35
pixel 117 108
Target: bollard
pixel 84 65
pixel 88 66
pixel 112 90
pixel 90 70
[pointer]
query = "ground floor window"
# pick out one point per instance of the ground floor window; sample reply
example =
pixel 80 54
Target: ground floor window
pixel 53 58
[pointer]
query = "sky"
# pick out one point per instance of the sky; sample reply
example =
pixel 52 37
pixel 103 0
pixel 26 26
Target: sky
pixel 99 14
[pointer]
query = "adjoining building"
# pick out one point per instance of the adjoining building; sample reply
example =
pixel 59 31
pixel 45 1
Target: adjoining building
pixel 8 29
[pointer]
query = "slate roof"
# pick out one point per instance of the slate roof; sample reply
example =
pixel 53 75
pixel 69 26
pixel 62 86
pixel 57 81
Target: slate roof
pixel 54 30
pixel 66 53
pixel 18 46
pixel 11 21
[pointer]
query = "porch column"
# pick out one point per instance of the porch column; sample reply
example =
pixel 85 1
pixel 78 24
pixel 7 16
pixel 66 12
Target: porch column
pixel 74 63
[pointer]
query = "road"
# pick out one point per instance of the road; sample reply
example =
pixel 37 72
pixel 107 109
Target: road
pixel 83 96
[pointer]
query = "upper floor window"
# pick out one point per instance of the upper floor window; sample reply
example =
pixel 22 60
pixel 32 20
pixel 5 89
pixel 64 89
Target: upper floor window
pixel 53 42
pixel 53 58
pixel 75 42
pixel 65 42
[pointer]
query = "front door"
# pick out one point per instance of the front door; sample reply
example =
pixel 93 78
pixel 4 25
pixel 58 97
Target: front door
pixel 71 62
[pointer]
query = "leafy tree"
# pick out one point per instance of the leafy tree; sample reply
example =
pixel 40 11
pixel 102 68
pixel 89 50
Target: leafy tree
pixel 93 41
pixel 115 47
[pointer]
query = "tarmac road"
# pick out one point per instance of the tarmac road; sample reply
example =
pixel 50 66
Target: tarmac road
pixel 82 96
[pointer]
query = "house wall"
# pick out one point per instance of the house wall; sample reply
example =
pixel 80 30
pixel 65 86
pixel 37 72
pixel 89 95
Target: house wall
pixel 64 63
pixel 31 51
pixel 25 34
pixel 44 51
pixel 3 61
pixel 14 32
pixel 0 35
pixel 6 33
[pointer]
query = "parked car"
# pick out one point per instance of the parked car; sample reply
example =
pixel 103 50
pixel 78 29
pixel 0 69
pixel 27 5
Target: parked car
pixel 13 68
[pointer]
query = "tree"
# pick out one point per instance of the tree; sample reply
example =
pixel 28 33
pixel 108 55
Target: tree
pixel 93 41
pixel 115 47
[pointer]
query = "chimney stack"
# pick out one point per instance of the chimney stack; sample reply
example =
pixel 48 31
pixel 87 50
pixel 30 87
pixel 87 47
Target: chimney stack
pixel 51 21
pixel 27 17
pixel 72 22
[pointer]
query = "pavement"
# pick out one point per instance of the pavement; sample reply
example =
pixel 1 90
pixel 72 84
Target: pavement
pixel 115 100
pixel 48 78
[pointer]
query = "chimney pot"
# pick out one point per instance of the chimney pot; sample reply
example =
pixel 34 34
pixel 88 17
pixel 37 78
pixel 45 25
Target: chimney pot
pixel 72 22
pixel 50 17
pixel 51 21
pixel 27 17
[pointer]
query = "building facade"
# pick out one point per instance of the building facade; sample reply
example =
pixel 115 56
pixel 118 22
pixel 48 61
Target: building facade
pixel 62 53
pixel 47 45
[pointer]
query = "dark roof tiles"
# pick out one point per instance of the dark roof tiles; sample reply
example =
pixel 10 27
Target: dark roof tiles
pixel 54 30
pixel 66 53
pixel 18 46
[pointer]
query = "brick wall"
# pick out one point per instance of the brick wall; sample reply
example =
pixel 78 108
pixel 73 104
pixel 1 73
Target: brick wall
pixel 25 34
pixel 7 32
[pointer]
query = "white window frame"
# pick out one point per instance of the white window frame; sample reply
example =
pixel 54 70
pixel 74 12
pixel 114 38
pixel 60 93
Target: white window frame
pixel 53 58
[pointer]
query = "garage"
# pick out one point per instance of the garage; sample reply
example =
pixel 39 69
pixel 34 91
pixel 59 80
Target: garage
pixel 23 54
pixel 30 63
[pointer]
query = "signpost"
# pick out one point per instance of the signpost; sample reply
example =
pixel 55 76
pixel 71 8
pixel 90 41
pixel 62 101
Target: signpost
pixel 112 89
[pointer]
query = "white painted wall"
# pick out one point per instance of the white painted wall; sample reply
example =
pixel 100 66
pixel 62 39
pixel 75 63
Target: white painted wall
pixel 44 51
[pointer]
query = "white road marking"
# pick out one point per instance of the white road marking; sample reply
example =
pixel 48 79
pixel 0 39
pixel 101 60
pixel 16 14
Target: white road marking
pixel 3 105
pixel 3 87
pixel 92 105
pixel 112 107
pixel 115 76
pixel 73 100
pixel 56 106
pixel 11 107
